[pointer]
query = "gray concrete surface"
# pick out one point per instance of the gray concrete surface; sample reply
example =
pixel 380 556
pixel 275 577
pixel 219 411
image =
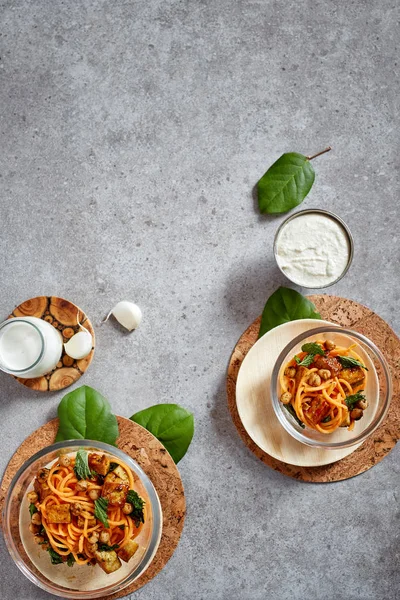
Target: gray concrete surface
pixel 132 134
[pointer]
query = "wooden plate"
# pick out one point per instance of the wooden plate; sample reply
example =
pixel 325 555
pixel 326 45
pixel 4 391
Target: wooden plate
pixel 154 459
pixel 354 316
pixel 64 316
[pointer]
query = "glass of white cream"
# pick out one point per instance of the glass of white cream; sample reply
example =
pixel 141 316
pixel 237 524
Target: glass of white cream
pixel 29 347
pixel 313 248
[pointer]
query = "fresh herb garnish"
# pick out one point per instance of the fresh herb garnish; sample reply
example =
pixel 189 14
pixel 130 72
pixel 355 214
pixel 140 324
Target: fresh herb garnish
pixel 291 410
pixel 122 527
pixel 100 510
pixel 348 362
pixel 138 504
pixel 107 548
pixel 113 465
pixel 283 306
pixel 70 560
pixel 55 558
pixel 306 362
pixel 312 348
pixel 32 509
pixel 81 468
pixel 327 419
pixel 354 398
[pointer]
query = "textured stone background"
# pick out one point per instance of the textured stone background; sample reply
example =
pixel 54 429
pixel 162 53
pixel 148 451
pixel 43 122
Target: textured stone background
pixel 132 134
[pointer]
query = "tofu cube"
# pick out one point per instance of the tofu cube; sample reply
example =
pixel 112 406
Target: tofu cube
pixel 353 375
pixel 59 513
pixel 121 473
pixel 81 522
pixel 115 490
pixel 108 560
pixel 128 550
pixel 99 463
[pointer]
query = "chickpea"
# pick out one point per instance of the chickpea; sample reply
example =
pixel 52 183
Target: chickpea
pixel 286 397
pixel 32 497
pixel 363 404
pixel 39 539
pixel 314 380
pixel 324 374
pixel 34 528
pixel 127 508
pixel 94 538
pixel 43 474
pixel 82 485
pixel 76 508
pixel 290 372
pixel 104 537
pixel 93 548
pixel 329 345
pixel 65 460
pixel 356 414
pixel 36 519
pixel 93 494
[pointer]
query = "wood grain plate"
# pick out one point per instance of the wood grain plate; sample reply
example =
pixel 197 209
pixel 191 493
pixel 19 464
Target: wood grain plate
pixel 346 313
pixel 154 459
pixel 64 316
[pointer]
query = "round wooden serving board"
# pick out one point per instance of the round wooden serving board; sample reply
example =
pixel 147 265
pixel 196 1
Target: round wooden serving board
pixel 154 459
pixel 346 313
pixel 64 316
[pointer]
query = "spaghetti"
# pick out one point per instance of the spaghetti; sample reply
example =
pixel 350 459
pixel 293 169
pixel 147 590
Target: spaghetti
pixel 85 510
pixel 322 386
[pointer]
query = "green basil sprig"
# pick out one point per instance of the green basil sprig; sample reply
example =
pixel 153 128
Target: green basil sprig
pixel 286 183
pixel 169 423
pixel 348 362
pixel 283 306
pixel 352 400
pixel 82 470
pixel 100 510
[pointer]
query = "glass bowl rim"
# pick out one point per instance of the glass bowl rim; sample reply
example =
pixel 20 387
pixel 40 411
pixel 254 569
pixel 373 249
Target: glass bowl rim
pixel 149 553
pixel 278 407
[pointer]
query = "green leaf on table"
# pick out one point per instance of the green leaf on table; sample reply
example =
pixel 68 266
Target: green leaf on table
pixel 285 184
pixel 169 423
pixel 86 414
pixel 100 511
pixel 283 306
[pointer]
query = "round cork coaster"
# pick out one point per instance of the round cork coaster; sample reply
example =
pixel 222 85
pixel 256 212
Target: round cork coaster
pixel 64 316
pixel 154 459
pixel 346 313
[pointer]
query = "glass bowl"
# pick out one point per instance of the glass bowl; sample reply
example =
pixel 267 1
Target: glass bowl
pixel 378 389
pixel 79 581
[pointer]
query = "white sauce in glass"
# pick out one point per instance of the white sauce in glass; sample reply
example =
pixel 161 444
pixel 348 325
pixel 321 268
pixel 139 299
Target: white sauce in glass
pixel 312 250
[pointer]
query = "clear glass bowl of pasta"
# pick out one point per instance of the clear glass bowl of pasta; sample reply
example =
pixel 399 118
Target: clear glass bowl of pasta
pixel 81 519
pixel 331 387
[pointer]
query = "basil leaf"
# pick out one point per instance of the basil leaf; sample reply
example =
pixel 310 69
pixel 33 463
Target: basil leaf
pixel 354 398
pixel 70 560
pixel 82 470
pixel 283 306
pixel 291 410
pixel 100 511
pixel 137 504
pixel 285 184
pixel 327 419
pixel 56 559
pixel 348 362
pixel 86 414
pixel 306 362
pixel 312 348
pixel 169 423
pixel 32 509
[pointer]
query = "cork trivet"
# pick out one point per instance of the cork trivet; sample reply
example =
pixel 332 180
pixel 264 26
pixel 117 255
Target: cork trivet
pixel 346 313
pixel 154 459
pixel 64 316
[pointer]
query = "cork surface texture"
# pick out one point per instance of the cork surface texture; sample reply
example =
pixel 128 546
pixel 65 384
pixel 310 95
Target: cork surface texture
pixel 64 316
pixel 346 313
pixel 154 459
